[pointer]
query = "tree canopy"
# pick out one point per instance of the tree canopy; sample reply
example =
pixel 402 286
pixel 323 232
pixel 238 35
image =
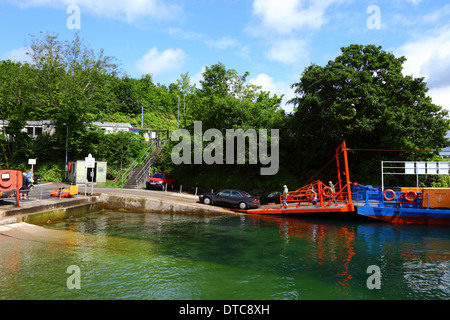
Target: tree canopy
pixel 362 97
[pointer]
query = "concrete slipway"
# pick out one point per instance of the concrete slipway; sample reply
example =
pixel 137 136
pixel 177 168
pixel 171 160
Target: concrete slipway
pixel 46 209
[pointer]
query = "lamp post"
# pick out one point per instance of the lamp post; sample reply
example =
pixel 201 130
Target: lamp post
pixel 178 121
pixel 67 144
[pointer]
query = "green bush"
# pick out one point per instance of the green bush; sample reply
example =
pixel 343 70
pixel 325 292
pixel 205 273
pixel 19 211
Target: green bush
pixel 50 172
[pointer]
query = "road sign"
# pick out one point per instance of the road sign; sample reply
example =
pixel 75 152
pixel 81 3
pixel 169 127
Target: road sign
pixel 90 162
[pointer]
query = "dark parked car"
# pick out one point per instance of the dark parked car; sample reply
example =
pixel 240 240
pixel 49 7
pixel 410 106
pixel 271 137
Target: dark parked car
pixel 231 198
pixel 37 179
pixel 159 181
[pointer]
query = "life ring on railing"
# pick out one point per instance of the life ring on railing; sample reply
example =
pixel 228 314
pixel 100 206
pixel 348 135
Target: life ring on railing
pixel 410 195
pixel 386 192
pixel 311 195
pixel 328 192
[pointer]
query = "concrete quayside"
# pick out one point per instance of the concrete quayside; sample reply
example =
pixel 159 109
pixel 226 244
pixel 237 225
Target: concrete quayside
pixel 41 210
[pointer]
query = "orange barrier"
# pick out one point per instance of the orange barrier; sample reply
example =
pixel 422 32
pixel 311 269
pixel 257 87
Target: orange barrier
pixel 316 196
pixel 10 182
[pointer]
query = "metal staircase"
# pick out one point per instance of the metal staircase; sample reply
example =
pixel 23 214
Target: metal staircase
pixel 137 173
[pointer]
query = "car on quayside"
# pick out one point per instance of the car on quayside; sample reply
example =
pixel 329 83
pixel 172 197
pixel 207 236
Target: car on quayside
pixel 231 198
pixel 160 180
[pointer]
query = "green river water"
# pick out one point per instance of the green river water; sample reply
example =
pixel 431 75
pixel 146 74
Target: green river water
pixel 177 257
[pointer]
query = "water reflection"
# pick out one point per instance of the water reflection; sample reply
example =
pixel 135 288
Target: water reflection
pixel 414 258
pixel 153 256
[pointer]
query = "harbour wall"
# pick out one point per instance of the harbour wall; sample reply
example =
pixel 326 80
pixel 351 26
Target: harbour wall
pixel 127 203
pixel 42 212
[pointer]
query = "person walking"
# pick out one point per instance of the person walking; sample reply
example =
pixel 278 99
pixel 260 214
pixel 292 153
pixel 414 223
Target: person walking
pixel 332 186
pixel 285 191
pixel 23 191
pixel 30 176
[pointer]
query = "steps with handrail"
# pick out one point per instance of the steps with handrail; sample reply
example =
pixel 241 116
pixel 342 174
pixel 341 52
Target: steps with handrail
pixel 136 175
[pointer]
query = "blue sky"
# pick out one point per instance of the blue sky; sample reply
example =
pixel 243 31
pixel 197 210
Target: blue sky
pixel 274 40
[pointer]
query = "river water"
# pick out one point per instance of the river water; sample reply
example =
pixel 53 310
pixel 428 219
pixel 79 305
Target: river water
pixel 112 255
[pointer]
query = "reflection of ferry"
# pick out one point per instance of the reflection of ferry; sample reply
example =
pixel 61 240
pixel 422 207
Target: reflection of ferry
pixel 413 257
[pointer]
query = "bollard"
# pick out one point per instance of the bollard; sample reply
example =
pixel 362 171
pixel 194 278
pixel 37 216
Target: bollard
pixel 195 191
pixel 181 188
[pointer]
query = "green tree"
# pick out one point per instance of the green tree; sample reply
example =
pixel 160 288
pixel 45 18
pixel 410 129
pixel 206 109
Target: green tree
pixel 70 87
pixel 362 97
pixel 188 92
pixel 15 104
pixel 226 101
pixel 119 149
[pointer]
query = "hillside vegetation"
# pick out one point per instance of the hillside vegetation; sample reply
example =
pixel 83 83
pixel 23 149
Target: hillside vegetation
pixel 361 97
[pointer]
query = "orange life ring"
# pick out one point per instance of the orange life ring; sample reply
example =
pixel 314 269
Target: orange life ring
pixel 328 192
pixel 391 198
pixel 64 193
pixel 311 195
pixel 410 195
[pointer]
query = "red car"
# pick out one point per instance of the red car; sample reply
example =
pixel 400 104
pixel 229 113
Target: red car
pixel 160 180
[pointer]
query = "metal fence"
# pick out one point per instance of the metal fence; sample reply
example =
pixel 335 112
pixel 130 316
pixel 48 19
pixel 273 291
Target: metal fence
pixel 48 191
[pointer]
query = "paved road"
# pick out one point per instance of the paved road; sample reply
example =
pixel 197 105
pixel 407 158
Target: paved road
pixel 42 192
pixel 164 195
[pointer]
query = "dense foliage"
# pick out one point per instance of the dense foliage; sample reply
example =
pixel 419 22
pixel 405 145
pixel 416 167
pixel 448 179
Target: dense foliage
pixel 361 97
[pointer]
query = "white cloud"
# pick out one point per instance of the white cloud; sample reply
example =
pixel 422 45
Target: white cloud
pixel 132 11
pixel 436 16
pixel 186 34
pixel 288 51
pixel 441 97
pixel 290 15
pixel 198 77
pixel 223 43
pixel 287 26
pixel 17 55
pixel 279 88
pixel 156 62
pixel 414 2
pixel 428 56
